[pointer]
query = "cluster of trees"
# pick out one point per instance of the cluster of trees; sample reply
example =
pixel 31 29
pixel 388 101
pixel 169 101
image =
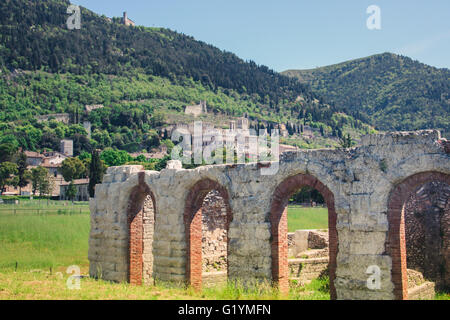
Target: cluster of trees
pixel 115 157
pixel 14 172
pixel 42 181
pixel 14 168
pixel 85 166
pixel 124 125
pixel 346 141
pixel 136 126
pixel 307 195
pixel 36 136
pixel 391 92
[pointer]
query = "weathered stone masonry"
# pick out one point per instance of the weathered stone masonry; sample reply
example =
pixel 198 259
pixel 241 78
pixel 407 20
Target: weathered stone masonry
pixel 214 233
pixel 427 228
pixel 365 189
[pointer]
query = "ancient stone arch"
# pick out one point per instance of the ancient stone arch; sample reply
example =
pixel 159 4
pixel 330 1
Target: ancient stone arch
pixel 396 242
pixel 141 219
pixel 278 220
pixel 359 181
pixel 193 226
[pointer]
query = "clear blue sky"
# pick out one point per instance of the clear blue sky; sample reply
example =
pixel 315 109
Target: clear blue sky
pixel 299 34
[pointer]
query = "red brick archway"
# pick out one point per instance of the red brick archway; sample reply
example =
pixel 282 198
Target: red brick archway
pixel 279 228
pixel 135 220
pixel 193 227
pixel 396 243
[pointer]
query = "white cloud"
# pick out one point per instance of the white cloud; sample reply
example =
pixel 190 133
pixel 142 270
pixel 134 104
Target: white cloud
pixel 423 45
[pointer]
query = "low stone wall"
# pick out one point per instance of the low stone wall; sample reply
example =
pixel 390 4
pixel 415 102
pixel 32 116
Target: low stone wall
pixel 418 287
pixel 305 270
pixel 214 278
pixel 425 291
pixel 309 255
pixel 302 240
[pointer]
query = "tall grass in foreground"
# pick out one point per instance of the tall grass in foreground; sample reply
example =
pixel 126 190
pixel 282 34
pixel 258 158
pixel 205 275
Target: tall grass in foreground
pixel 38 285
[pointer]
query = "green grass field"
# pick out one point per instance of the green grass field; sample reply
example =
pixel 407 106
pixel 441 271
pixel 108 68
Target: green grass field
pixel 300 218
pixel 43 246
pixel 55 235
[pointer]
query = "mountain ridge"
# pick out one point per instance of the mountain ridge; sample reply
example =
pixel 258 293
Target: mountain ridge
pixel 390 91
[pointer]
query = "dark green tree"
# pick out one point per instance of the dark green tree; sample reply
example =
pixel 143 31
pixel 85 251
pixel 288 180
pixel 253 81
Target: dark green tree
pixel 41 181
pixel 7 171
pixel 346 141
pixel 23 175
pixel 96 172
pixel 73 168
pixel 71 191
pixel 7 150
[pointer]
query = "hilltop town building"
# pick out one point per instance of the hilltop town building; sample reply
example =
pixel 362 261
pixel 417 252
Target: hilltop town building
pixel 60 117
pixel 89 108
pixel 52 161
pixel 88 127
pixel 126 21
pixel 67 147
pixel 197 109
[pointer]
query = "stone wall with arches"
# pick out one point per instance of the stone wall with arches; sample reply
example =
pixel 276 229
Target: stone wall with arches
pixel 358 185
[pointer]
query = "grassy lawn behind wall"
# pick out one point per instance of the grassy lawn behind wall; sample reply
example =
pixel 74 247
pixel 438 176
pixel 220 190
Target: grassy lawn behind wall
pixel 300 218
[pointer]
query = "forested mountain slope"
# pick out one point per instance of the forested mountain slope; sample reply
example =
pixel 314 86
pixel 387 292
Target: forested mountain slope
pixel 391 92
pixel 141 75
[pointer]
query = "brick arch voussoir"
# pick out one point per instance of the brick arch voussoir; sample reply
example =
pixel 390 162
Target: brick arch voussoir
pixel 395 245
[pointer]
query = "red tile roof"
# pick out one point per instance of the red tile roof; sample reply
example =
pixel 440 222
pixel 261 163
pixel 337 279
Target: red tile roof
pixel 33 154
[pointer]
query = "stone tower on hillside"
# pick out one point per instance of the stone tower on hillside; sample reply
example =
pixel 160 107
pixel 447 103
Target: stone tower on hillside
pixel 126 21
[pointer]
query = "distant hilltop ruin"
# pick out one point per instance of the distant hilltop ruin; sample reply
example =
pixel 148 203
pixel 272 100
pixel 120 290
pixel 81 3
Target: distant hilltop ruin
pixel 89 108
pixel 196 110
pixel 126 21
pixel 60 117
